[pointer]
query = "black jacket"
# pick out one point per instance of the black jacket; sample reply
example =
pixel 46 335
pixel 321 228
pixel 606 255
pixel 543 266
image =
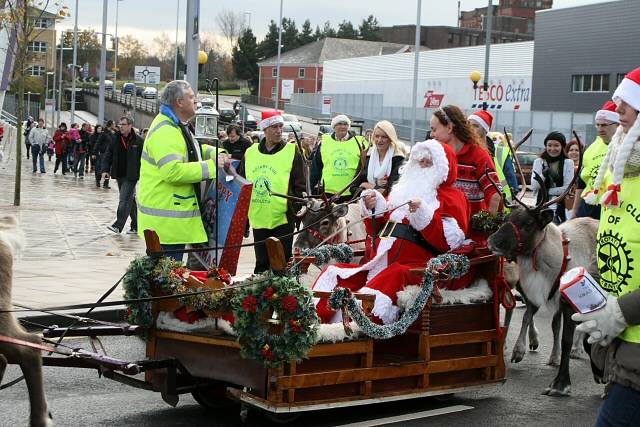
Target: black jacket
pixel 122 157
pixel 396 162
pixel 237 149
pixel 297 182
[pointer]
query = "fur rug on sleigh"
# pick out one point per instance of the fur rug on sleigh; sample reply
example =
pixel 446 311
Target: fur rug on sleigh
pixel 478 292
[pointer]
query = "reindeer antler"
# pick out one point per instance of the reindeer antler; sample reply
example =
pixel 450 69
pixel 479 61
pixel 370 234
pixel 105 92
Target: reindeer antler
pixel 495 185
pixel 523 139
pixel 567 190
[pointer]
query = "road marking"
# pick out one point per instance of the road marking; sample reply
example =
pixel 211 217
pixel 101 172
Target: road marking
pixel 409 417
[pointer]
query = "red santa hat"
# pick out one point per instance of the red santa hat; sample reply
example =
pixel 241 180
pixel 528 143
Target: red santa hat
pixel 270 121
pixel 621 144
pixel 608 112
pixel 483 118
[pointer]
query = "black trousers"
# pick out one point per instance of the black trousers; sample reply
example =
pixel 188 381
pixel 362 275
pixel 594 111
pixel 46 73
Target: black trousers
pixel 259 234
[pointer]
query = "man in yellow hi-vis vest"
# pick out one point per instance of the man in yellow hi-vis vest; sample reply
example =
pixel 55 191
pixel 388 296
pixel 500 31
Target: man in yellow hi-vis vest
pixel 337 158
pixel 616 326
pixel 172 173
pixel 277 166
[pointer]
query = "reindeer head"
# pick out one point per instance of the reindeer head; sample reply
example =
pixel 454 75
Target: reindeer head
pixel 320 221
pixel 525 226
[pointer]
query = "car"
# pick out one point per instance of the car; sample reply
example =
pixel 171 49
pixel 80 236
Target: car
pixel 291 123
pixel 526 159
pixel 150 93
pixel 250 123
pixel 139 90
pixel 128 88
pixel 227 115
pixel 324 129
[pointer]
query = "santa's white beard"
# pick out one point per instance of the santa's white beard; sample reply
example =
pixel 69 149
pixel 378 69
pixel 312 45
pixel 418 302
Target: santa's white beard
pixel 415 183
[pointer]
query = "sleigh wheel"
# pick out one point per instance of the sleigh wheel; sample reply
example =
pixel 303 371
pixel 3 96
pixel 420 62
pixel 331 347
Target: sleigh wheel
pixel 213 397
pixel 282 418
pixel 444 397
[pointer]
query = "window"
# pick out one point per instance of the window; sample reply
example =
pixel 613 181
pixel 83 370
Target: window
pixel 619 78
pixel 590 83
pixel 273 92
pixel 36 70
pixel 300 90
pixel 301 73
pixel 37 47
pixel 42 23
pixel 274 72
pixel 450 38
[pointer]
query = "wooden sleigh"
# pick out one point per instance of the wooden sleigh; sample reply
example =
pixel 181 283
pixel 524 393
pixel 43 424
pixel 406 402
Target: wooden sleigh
pixel 448 349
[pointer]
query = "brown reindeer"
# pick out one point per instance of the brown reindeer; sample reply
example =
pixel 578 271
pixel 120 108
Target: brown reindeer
pixel 29 359
pixel 543 252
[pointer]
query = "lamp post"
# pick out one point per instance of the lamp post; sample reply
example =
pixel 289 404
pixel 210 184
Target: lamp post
pixel 28 103
pixel 416 63
pixel 103 62
pixel 475 77
pixel 115 58
pixel 486 52
pixel 175 62
pixel 46 95
pixel 279 50
pixel 60 77
pixel 73 70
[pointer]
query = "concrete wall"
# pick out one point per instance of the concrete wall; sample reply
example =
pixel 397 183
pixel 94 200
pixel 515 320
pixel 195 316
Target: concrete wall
pixel 595 39
pixel 115 110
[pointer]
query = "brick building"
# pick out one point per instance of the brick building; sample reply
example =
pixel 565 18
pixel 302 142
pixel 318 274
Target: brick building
pixel 511 16
pixel 301 68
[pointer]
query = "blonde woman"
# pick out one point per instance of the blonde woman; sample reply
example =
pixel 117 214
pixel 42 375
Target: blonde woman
pixel 384 159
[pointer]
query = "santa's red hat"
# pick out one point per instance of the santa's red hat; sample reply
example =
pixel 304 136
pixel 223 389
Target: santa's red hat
pixel 483 118
pixel 608 112
pixel 621 144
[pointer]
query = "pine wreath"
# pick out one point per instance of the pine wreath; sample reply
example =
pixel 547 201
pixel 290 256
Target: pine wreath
pixel 276 320
pixel 450 266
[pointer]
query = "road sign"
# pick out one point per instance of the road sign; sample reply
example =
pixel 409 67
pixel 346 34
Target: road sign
pixel 147 75
pixel 115 69
pixel 326 105
pixel 287 89
pixel 49 105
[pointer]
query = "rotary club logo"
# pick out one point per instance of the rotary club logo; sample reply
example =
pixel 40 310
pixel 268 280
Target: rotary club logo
pixel 261 186
pixel 614 261
pixel 340 163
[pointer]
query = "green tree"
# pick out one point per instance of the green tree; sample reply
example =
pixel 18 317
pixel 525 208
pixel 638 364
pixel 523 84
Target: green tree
pixel 346 30
pixel 245 59
pixel 88 46
pixel 328 30
pixel 132 53
pixel 289 34
pixel 306 34
pixel 269 46
pixel 318 34
pixel 369 29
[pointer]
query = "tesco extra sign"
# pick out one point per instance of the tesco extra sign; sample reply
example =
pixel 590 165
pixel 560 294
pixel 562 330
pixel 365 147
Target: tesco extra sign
pixel 513 92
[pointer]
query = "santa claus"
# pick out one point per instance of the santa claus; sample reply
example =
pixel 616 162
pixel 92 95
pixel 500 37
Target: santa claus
pixel 423 217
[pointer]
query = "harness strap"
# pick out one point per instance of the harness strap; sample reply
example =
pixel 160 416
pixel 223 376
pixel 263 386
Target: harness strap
pixel 516 231
pixel 23 343
pixel 563 268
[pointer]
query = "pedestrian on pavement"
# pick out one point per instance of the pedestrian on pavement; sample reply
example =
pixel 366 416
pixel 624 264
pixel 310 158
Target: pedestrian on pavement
pixel 236 144
pixel 556 170
pixel 39 138
pixel 97 149
pixel 174 168
pixel 85 134
pixel 122 162
pixel 616 326
pixel 51 148
pixel 281 165
pixel 60 138
pixel 109 138
pixel 30 124
pixel 81 148
pixel 606 121
pixel 74 139
pixel 340 153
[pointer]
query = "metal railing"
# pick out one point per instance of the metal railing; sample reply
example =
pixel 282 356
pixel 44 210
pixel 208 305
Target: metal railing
pixel 127 99
pixel 8 118
pixel 259 100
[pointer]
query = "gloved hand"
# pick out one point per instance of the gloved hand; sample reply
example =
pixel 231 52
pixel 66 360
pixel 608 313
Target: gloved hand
pixel 602 325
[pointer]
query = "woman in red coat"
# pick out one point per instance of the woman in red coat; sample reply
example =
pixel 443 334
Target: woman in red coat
pixel 61 139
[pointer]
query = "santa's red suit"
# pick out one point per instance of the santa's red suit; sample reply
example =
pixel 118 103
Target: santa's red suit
pixel 437 226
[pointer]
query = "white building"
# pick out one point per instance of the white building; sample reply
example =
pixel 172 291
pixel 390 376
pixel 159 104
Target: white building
pixel 443 77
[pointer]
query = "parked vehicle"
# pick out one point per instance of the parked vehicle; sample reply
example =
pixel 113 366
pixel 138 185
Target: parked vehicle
pixel 227 115
pixel 250 123
pixel 128 88
pixel 291 123
pixel 526 159
pixel 139 90
pixel 108 85
pixel 324 129
pixel 150 93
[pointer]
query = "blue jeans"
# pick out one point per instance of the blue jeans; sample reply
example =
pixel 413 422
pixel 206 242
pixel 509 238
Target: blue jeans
pixel 126 204
pixel 620 408
pixel 175 255
pixel 37 153
pixel 78 163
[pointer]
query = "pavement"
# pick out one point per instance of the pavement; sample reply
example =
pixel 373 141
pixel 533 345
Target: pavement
pixel 70 257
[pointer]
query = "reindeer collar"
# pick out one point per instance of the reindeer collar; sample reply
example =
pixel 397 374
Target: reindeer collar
pixel 516 231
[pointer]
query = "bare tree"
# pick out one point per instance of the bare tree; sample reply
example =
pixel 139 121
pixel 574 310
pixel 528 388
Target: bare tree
pixel 163 47
pixel 19 19
pixel 230 24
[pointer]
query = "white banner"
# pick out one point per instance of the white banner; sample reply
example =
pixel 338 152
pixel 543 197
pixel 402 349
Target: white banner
pixel 287 89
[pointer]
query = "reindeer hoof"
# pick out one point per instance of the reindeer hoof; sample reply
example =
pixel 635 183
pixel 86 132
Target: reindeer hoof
pixel 577 353
pixel 557 392
pixel 553 361
pixel 517 355
pixel 533 345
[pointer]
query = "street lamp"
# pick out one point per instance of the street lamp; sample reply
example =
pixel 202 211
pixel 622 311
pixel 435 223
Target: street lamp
pixel 475 77
pixel 28 103
pixel 115 61
pixel 175 63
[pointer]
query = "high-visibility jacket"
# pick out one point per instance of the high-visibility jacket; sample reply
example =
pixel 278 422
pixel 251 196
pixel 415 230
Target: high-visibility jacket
pixel 273 170
pixel 166 194
pixel 341 160
pixel 591 161
pixel 500 159
pixel 618 246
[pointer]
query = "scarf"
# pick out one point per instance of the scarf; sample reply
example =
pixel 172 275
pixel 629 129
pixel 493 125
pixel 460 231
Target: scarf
pixel 376 170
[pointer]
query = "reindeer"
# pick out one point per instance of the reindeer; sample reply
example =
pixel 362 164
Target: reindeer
pixel 29 359
pixel 543 252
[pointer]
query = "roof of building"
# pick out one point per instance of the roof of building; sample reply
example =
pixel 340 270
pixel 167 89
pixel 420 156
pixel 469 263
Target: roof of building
pixel 330 48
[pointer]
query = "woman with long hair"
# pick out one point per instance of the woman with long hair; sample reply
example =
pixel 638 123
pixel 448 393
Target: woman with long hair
pixel 556 171
pixel 384 159
pixel 449 125
pixel 573 152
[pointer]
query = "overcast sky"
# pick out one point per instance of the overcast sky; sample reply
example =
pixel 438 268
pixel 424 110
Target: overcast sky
pixel 146 19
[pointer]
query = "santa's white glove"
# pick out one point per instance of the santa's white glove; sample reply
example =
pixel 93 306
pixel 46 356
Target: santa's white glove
pixel 602 325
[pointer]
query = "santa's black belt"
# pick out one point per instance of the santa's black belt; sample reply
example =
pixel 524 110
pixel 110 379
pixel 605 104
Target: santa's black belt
pixel 407 232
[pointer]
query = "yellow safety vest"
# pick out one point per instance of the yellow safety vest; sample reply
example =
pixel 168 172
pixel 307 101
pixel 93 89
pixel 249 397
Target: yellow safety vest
pixel 165 195
pixel 341 160
pixel 618 246
pixel 268 211
pixel 500 159
pixel 591 161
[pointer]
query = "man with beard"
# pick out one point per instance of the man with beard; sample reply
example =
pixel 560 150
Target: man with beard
pixel 417 223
